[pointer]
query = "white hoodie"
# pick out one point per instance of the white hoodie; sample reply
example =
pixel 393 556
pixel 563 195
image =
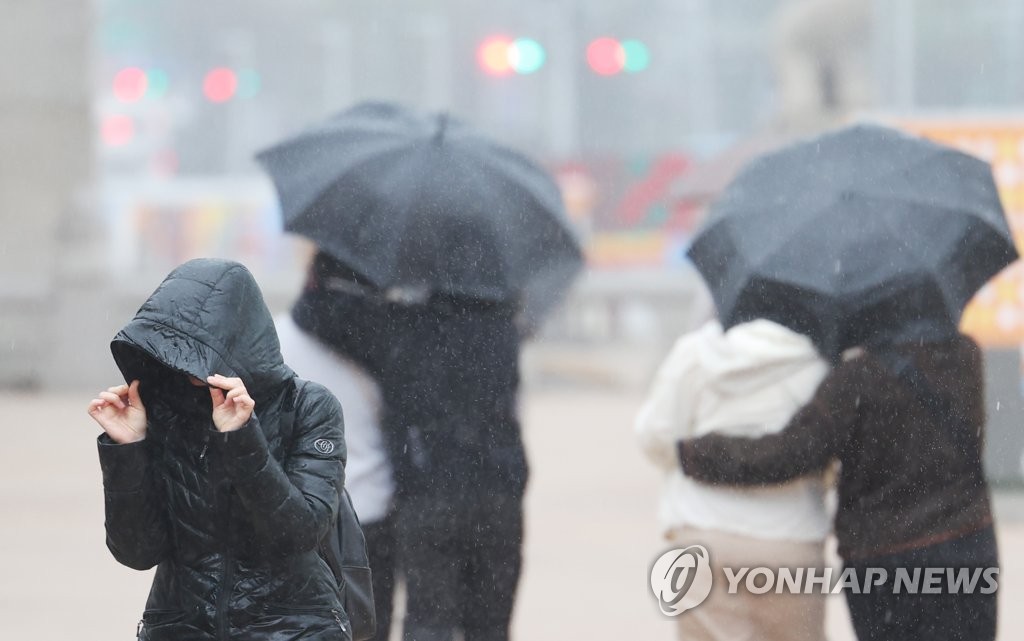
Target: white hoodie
pixel 368 476
pixel 747 381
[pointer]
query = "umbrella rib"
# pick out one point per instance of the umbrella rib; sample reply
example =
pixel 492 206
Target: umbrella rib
pixel 403 218
pixel 926 201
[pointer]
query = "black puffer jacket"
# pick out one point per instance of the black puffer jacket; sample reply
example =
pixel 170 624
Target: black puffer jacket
pixel 233 521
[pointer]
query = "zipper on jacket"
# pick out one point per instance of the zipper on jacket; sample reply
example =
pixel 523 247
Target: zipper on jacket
pixel 227 584
pixel 228 577
pixel 202 453
pixel 139 628
pixel 341 624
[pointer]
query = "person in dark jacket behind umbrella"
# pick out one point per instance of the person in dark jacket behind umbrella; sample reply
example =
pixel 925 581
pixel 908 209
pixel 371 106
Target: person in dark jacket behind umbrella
pixel 448 369
pixel 906 422
pixel 197 480
pixel 461 468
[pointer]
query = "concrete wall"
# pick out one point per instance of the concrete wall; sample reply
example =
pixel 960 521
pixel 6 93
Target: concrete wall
pixel 45 164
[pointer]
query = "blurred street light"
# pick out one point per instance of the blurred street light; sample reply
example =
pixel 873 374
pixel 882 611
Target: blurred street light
pixel 493 56
pixel 638 57
pixel 117 130
pixel 608 56
pixel 526 55
pixel 130 84
pixel 503 56
pixel 157 83
pixel 249 83
pixel 220 85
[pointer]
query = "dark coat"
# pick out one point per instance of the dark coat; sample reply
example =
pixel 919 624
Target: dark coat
pixel 232 521
pixel 448 370
pixel 452 405
pixel 911 463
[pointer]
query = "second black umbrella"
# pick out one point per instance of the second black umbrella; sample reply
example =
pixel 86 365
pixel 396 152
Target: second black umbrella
pixel 861 234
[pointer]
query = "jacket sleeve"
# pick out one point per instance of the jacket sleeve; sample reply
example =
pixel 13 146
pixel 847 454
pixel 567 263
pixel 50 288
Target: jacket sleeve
pixel 666 414
pixel 814 436
pixel 136 521
pixel 293 503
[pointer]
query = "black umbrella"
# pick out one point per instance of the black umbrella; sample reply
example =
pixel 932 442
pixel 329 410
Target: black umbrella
pixel 859 235
pixel 422 201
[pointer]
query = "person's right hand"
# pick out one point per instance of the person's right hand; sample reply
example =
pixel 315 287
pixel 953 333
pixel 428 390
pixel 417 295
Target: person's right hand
pixel 120 413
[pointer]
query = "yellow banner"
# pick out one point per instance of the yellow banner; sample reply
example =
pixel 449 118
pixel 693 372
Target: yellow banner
pixel 995 317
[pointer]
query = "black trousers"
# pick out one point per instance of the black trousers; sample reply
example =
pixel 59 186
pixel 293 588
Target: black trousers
pixel 381 550
pixel 461 561
pixel 883 615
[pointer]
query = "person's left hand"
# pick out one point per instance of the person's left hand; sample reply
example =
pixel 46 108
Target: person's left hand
pixel 232 410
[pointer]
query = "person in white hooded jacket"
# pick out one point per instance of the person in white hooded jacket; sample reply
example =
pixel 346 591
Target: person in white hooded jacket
pixel 746 381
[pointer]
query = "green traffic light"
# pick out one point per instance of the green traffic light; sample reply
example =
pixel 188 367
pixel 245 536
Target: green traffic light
pixel 526 56
pixel 249 83
pixel 157 83
pixel 638 57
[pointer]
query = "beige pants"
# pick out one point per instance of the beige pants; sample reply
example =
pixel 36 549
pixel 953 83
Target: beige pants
pixel 745 616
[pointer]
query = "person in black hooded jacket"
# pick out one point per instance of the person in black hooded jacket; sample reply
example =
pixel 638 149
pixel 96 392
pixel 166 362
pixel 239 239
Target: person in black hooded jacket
pixel 197 478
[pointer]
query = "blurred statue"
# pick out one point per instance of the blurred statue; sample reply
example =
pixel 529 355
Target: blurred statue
pixel 819 55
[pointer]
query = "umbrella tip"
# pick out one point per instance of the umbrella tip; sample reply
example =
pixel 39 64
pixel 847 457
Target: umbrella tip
pixel 442 126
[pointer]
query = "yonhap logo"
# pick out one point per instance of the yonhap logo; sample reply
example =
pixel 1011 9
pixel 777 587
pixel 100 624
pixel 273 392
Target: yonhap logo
pixel 681 579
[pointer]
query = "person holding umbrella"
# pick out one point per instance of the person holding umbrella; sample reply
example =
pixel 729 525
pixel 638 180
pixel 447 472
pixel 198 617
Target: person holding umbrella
pixel 439 250
pixel 871 242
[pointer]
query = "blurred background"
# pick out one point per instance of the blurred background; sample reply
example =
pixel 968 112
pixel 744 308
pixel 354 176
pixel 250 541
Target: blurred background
pixel 127 130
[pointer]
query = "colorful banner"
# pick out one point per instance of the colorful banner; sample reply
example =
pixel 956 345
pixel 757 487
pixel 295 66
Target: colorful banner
pixel 995 317
pixel 157 226
pixel 626 211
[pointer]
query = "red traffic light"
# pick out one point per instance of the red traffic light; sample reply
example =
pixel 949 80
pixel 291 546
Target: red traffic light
pixel 130 84
pixel 117 130
pixel 220 84
pixel 608 56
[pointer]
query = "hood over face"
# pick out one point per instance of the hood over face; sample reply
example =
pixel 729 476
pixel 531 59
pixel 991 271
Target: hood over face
pixel 207 317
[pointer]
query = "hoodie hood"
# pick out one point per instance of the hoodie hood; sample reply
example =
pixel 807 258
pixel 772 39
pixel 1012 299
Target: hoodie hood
pixel 207 317
pixel 751 355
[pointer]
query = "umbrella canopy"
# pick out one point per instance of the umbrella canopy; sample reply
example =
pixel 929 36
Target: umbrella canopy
pixel 418 200
pixel 861 234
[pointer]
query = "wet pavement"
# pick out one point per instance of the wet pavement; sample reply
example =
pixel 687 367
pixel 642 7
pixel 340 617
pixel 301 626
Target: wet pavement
pixel 591 531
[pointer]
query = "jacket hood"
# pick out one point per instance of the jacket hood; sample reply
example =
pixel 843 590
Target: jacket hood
pixel 207 317
pixel 752 354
